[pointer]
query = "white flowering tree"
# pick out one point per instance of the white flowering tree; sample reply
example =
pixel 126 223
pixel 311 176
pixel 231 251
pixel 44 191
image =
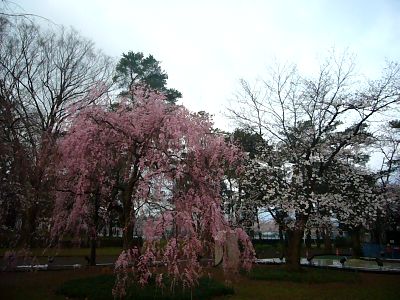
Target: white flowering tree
pixel 388 143
pixel 264 181
pixel 311 120
pixel 354 199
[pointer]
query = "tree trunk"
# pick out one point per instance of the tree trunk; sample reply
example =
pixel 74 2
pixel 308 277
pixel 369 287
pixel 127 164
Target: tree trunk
pixel 29 227
pixel 110 226
pixel 318 238
pixel 295 239
pixel 128 222
pixel 129 209
pixel 356 242
pixel 327 241
pixel 293 250
pixel 308 240
pixel 281 239
pixel 128 235
pixel 93 245
pixel 93 237
pixel 258 225
pixel 378 231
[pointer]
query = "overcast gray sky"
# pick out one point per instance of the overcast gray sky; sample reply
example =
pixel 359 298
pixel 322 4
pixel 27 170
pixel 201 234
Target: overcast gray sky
pixel 206 46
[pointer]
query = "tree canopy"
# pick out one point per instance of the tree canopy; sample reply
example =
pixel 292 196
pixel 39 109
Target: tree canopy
pixel 43 74
pixel 314 124
pixel 167 165
pixel 135 69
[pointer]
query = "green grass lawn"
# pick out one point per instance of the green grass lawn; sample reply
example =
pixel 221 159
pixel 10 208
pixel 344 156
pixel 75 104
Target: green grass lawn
pixel 308 284
pixel 306 275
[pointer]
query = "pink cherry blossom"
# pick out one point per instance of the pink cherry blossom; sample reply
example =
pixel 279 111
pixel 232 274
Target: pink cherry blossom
pixel 167 165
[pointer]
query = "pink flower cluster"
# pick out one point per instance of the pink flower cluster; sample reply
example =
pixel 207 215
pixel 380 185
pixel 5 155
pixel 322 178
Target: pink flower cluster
pixel 162 155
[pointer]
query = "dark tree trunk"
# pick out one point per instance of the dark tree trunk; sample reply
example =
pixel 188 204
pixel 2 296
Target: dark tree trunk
pixel 258 225
pixel 129 209
pixel 377 232
pixel 327 241
pixel 318 238
pixel 281 239
pixel 93 237
pixel 356 242
pixel 308 240
pixel 29 228
pixel 238 204
pixel 128 236
pixel 295 239
pixel 128 221
pixel 93 245
pixel 110 226
pixel 293 250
